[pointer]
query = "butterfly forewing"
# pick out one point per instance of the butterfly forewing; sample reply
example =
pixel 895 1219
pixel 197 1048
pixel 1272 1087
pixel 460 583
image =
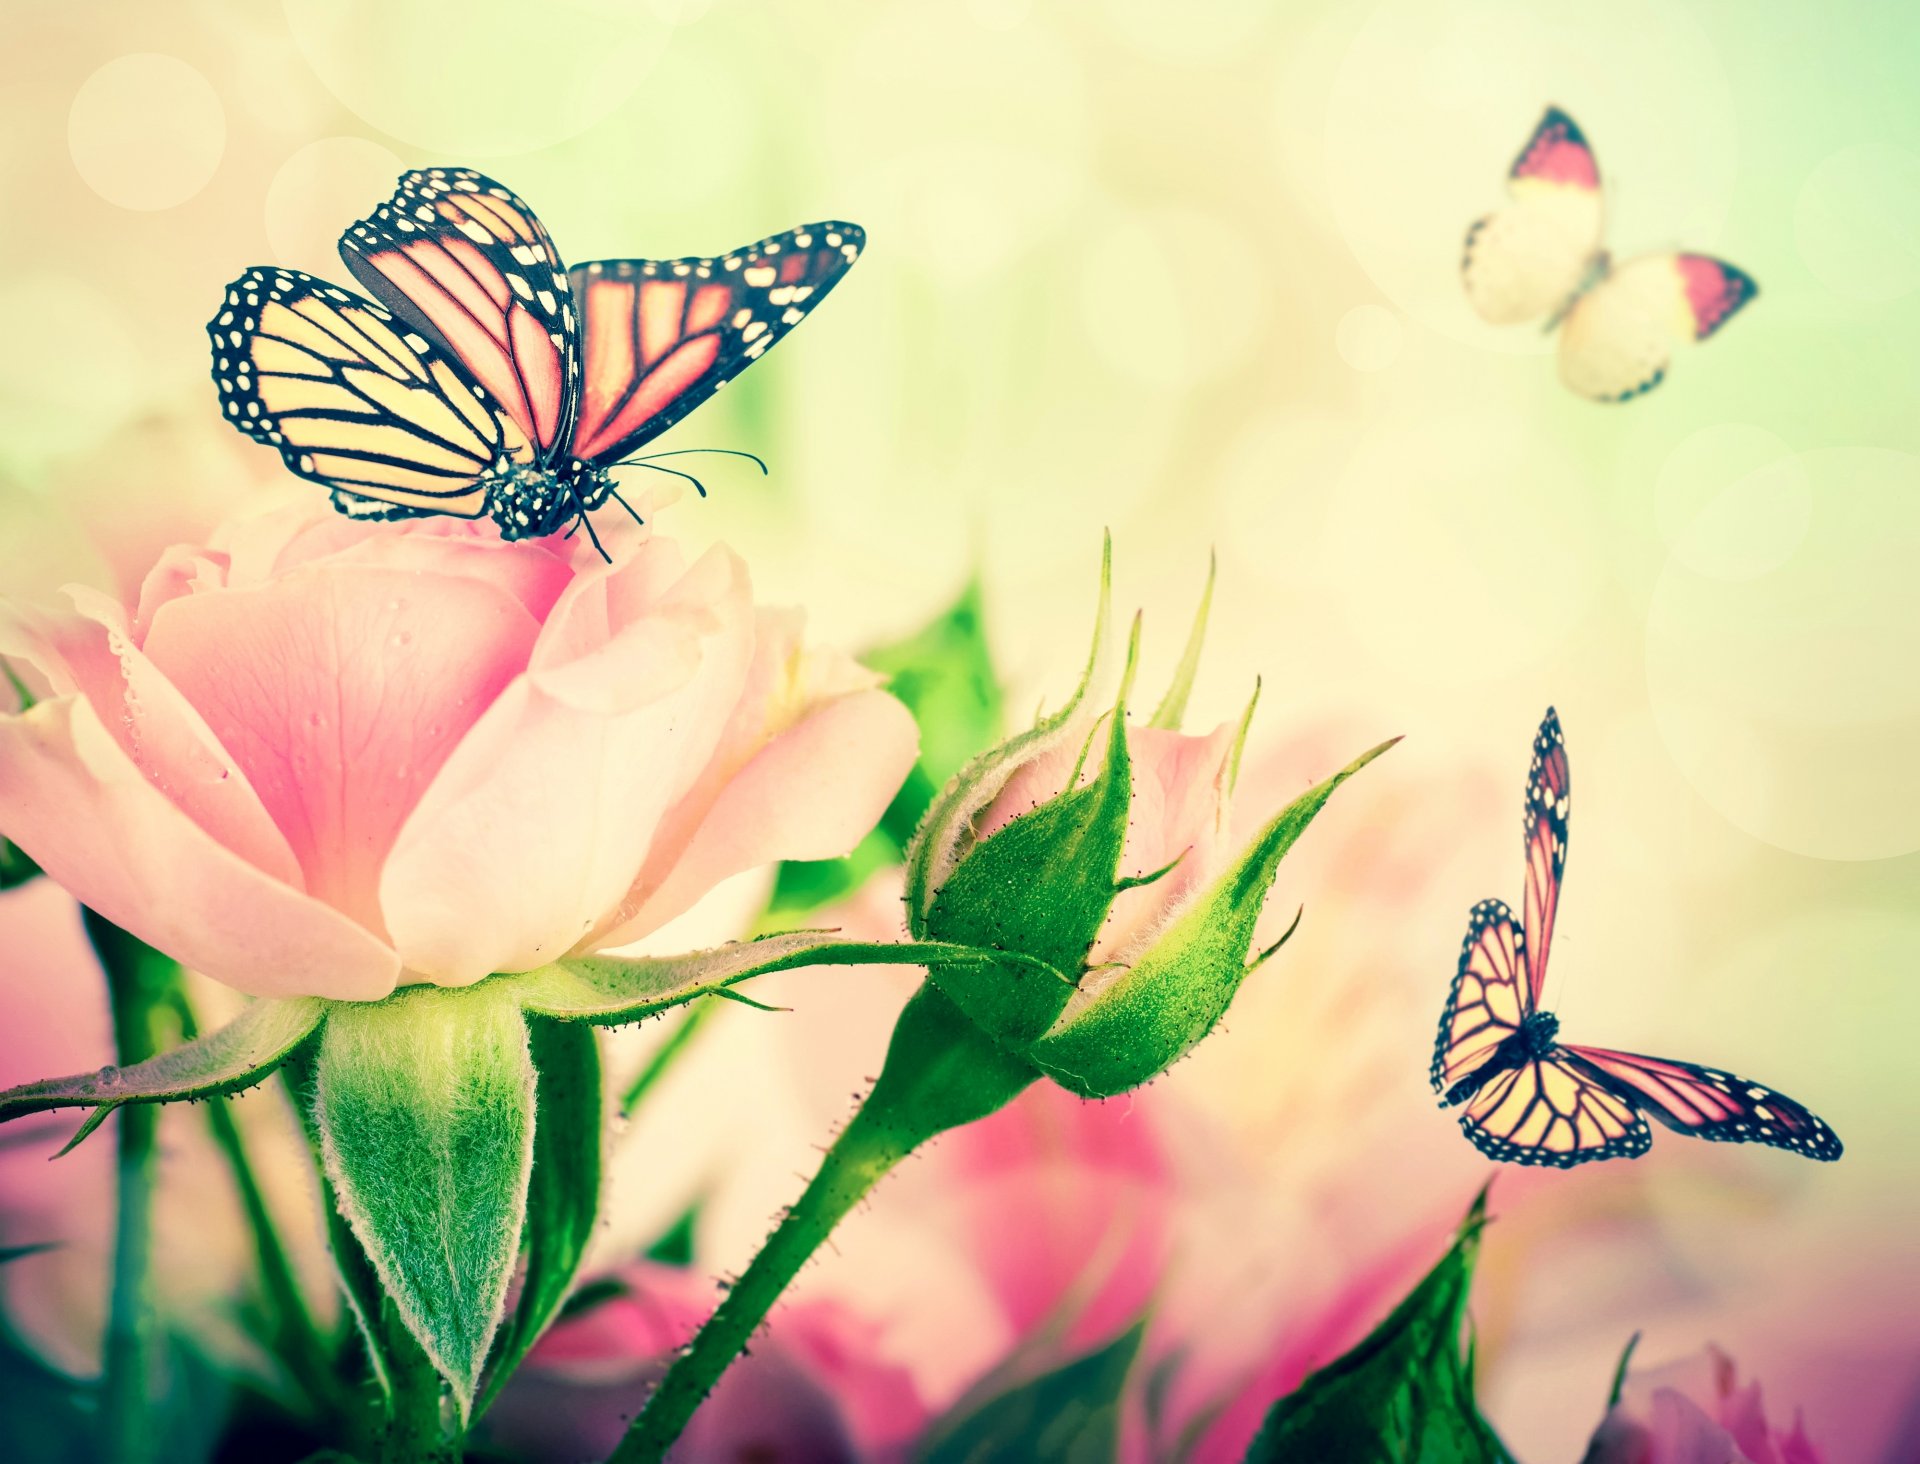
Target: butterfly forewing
pixel 1527 259
pixel 661 336
pixel 464 261
pixel 1709 1103
pixel 1489 998
pixel 1546 1111
pixel 1619 338
pixel 1549 793
pixel 352 397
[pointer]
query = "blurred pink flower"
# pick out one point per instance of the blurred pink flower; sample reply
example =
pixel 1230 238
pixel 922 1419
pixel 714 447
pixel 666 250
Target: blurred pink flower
pixel 319 756
pixel 1695 1412
pixel 813 1389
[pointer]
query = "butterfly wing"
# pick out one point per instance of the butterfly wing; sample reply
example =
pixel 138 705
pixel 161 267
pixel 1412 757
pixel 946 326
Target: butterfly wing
pixel 1549 1111
pixel 353 399
pixel 1619 338
pixel 1528 258
pixel 661 336
pixel 1549 789
pixel 1709 1103
pixel 466 263
pixel 1489 998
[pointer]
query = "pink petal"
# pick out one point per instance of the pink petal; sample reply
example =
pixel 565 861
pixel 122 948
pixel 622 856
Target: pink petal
pixel 540 820
pixel 92 653
pixel 71 797
pixel 340 691
pixel 811 793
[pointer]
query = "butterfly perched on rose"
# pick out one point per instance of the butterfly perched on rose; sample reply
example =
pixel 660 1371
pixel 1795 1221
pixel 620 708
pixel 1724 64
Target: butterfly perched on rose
pixel 1540 257
pixel 1528 1098
pixel 490 379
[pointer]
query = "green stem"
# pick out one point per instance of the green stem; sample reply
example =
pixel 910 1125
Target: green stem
pixel 295 1337
pixel 140 986
pixel 941 1072
pixel 686 1028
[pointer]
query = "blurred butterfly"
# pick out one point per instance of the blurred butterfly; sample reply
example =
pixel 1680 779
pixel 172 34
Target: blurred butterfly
pixel 489 378
pixel 1533 1100
pixel 1541 256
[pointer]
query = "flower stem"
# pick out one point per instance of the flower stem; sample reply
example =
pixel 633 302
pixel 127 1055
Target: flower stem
pixel 140 987
pixel 686 1027
pixel 941 1072
pixel 295 1338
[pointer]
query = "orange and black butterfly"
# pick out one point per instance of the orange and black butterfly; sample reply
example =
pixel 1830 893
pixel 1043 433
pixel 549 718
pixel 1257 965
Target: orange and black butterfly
pixel 1531 1099
pixel 490 379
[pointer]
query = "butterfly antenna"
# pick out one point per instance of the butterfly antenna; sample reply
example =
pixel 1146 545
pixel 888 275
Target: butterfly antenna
pixel 753 458
pixel 615 493
pixel 655 467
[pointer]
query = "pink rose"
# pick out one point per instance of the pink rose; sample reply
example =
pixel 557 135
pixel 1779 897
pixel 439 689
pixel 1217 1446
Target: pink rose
pixel 1178 811
pixel 1695 1412
pixel 813 1389
pixel 323 757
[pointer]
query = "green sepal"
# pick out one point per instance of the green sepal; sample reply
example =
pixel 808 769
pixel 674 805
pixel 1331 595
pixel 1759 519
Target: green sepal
pixel 1173 706
pixel 1118 1033
pixel 16 866
pixel 946 834
pixel 563 1197
pixel 1406 1392
pixel 611 990
pixel 424 1108
pixel 228 1060
pixel 1041 885
pixel 1070 1415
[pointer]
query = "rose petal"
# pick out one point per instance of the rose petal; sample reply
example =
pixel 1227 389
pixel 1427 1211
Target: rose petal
pixel 71 798
pixel 541 818
pixel 93 654
pixel 340 692
pixel 811 793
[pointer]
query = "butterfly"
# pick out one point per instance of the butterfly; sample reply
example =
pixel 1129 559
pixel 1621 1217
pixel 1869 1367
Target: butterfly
pixel 1540 256
pixel 486 377
pixel 1530 1099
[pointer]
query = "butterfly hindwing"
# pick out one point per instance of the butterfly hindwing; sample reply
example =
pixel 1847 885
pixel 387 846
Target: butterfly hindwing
pixel 1526 260
pixel 351 397
pixel 1708 1103
pixel 1549 790
pixel 1618 339
pixel 468 264
pixel 661 336
pixel 1489 998
pixel 1547 1111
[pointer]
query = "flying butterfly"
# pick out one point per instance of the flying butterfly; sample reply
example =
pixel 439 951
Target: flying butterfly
pixel 1541 256
pixel 486 377
pixel 1530 1099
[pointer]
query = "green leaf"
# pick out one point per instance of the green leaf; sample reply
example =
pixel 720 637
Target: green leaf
pixel 611 990
pixel 1041 886
pixel 675 1245
pixel 233 1058
pixel 1068 1416
pixel 564 1195
pixel 1173 706
pixel 16 867
pixel 1118 1033
pixel 1405 1393
pixel 424 1107
pixel 946 833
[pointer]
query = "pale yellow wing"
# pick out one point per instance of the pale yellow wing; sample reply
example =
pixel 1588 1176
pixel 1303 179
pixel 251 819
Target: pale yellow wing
pixel 1527 259
pixel 354 400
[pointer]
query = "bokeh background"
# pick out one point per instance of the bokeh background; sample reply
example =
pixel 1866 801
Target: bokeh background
pixel 1189 272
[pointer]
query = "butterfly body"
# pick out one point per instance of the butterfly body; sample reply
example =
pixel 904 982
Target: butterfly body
pixel 484 377
pixel 1541 258
pixel 1528 1098
pixel 1534 1039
